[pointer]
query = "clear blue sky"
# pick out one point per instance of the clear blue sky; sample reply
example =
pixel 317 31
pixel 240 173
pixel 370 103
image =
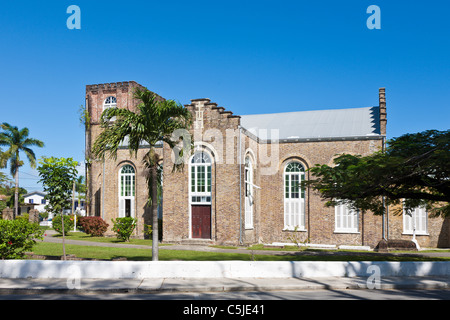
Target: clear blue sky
pixel 248 56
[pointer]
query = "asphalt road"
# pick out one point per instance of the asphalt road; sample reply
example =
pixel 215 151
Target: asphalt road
pixel 251 296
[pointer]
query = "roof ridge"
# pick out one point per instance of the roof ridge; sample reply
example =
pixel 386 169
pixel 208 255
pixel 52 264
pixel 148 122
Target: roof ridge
pixel 261 114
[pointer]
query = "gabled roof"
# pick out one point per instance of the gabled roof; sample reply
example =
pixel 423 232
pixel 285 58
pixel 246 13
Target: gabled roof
pixel 40 193
pixel 318 124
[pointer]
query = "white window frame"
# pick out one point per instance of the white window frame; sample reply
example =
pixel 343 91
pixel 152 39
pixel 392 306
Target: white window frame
pixel 294 200
pixel 346 219
pixel 200 161
pixel 110 102
pixel 124 178
pixel 249 194
pixel 418 220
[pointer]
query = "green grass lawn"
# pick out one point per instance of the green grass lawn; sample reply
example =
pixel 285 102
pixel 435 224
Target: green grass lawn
pixel 134 254
pixel 107 253
pixel 86 237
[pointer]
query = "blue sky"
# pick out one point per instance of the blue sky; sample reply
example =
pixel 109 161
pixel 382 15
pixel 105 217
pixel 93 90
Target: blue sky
pixel 248 56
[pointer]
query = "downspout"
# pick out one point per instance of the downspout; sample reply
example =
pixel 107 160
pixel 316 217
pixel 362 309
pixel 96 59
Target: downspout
pixel 384 199
pixel 215 201
pixel 362 228
pixel 309 211
pixel 86 156
pixel 240 186
pixel 103 191
pixel 383 120
pixel 383 220
pixel 387 207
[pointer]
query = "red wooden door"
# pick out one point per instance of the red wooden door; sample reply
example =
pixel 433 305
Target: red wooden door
pixel 201 222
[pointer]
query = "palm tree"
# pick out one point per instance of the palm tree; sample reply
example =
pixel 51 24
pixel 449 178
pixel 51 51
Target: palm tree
pixel 154 121
pixel 17 141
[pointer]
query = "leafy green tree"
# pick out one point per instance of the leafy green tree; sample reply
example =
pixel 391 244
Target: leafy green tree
pixel 4 180
pixel 10 202
pixel 63 227
pixel 57 176
pixel 414 170
pixel 155 120
pixel 17 141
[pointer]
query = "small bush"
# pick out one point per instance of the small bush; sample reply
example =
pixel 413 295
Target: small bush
pixel 24 216
pixel 123 227
pixel 17 237
pixel 95 226
pixel 43 215
pixel 68 224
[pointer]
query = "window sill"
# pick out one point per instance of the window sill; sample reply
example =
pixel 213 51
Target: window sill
pixel 347 231
pixel 417 234
pixel 293 229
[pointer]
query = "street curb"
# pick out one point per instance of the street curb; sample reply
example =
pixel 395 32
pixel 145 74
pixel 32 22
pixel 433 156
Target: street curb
pixel 96 286
pixel 135 270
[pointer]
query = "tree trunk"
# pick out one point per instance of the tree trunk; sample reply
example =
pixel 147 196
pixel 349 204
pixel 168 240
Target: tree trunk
pixel 63 233
pixel 154 214
pixel 16 195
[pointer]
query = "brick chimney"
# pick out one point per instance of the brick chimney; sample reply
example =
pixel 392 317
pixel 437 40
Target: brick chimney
pixel 383 114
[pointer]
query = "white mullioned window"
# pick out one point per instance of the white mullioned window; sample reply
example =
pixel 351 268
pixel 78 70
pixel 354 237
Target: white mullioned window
pixel 127 187
pixel 249 196
pixel 294 197
pixel 346 219
pixel 415 219
pixel 110 102
pixel 200 178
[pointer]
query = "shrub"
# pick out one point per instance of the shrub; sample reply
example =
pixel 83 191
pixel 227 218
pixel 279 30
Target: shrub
pixel 24 216
pixel 148 230
pixel 43 215
pixel 17 237
pixel 123 227
pixel 95 226
pixel 68 224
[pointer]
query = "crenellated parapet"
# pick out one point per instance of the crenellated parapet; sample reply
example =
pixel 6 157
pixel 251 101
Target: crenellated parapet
pixel 112 86
pixel 207 113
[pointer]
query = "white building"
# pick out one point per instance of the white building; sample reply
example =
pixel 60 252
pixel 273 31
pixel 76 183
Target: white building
pixel 37 198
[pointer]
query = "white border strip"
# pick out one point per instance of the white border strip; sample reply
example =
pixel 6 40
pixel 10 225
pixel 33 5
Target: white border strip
pixel 45 269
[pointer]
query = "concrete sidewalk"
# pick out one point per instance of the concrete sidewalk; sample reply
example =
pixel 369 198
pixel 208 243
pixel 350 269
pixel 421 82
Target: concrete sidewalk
pixel 86 286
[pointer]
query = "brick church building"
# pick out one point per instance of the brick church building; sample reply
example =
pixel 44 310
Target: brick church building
pixel 240 185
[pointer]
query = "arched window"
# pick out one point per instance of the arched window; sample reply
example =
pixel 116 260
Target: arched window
pixel 200 182
pixel 294 197
pixel 110 102
pixel 127 186
pixel 249 196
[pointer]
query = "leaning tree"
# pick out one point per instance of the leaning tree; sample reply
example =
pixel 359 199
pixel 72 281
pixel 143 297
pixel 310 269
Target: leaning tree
pixel 414 170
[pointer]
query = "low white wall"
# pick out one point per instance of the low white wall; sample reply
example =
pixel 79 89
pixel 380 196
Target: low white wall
pixel 213 269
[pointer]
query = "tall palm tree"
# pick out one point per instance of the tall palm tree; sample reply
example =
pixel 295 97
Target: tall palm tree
pixel 154 121
pixel 17 141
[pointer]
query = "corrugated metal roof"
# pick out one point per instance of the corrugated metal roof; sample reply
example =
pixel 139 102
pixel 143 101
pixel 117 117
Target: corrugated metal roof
pixel 337 123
